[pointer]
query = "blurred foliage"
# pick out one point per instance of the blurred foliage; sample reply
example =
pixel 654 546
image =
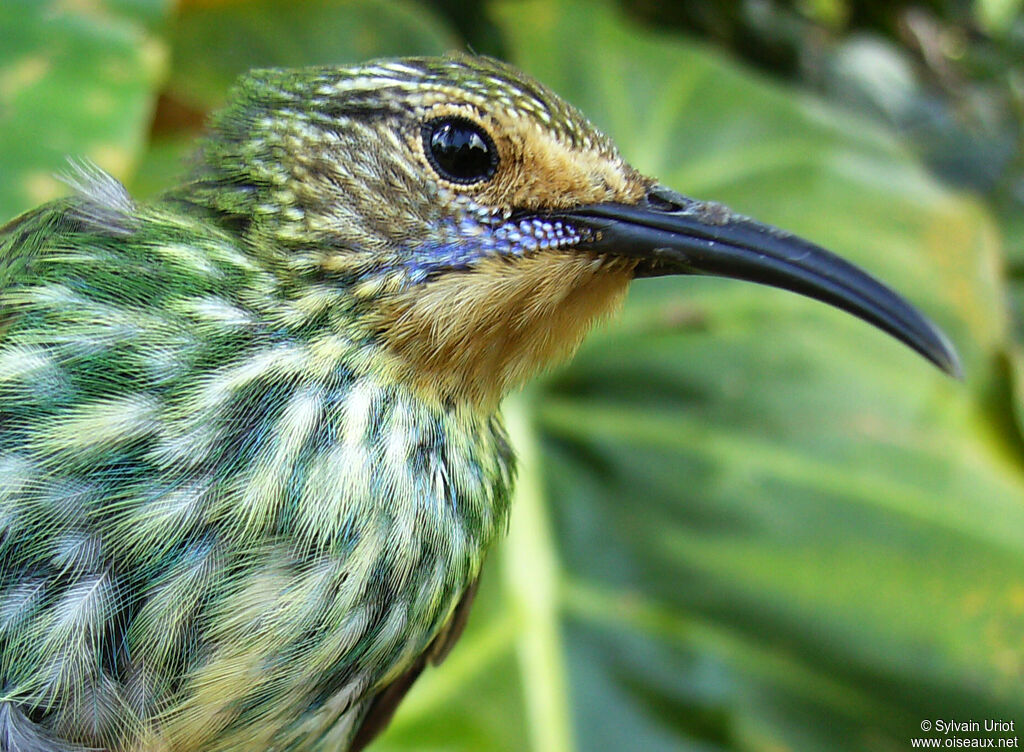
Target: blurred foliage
pixel 744 521
pixel 73 84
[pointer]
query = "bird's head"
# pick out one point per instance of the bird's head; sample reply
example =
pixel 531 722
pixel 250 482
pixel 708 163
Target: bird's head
pixel 474 224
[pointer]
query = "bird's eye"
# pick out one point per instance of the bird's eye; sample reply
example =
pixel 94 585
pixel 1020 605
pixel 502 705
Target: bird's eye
pixel 460 150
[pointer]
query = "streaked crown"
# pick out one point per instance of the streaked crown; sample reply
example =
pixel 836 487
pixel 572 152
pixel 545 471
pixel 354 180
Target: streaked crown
pixel 344 159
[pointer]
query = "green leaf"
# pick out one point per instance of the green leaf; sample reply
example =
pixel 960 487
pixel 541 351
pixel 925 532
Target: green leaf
pixel 746 521
pixel 997 16
pixel 214 45
pixel 76 80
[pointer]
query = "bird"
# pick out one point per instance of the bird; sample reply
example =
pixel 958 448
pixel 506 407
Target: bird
pixel 251 449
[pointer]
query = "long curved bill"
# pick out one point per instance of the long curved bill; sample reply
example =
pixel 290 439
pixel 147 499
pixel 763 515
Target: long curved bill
pixel 672 234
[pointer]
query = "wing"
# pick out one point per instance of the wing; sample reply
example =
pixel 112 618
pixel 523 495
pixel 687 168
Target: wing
pixel 21 240
pixel 19 734
pixel 385 703
pixel 86 285
pixel 99 208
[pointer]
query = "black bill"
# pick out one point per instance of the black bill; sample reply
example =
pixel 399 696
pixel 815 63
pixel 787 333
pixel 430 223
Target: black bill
pixel 672 234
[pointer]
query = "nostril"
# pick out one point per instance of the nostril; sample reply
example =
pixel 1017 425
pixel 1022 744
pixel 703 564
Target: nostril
pixel 663 200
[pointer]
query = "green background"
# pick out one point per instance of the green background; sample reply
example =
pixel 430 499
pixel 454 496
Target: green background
pixel 744 521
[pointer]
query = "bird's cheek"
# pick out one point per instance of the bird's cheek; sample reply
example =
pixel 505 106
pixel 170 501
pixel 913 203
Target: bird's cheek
pixel 538 171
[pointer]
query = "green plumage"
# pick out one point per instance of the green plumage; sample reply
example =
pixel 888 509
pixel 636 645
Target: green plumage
pixel 193 492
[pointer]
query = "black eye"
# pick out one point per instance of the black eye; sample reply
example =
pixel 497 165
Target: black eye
pixel 460 150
